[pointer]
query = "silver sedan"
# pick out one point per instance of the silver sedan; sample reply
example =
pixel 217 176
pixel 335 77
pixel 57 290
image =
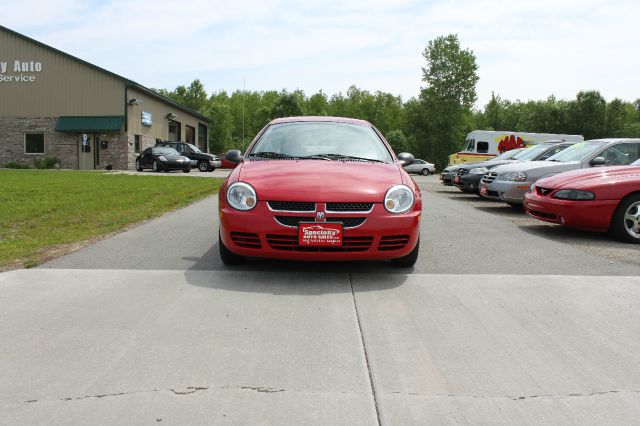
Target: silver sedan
pixel 420 166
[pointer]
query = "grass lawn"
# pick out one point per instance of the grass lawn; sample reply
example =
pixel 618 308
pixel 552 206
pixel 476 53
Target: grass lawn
pixel 47 211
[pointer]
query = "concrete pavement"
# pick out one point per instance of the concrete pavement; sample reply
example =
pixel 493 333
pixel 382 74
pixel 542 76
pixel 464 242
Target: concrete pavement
pixel 144 329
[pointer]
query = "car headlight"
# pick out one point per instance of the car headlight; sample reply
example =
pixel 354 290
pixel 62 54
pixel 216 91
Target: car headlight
pixel 446 171
pixel 241 196
pixel 162 158
pixel 574 194
pixel 513 176
pixel 478 171
pixel 398 199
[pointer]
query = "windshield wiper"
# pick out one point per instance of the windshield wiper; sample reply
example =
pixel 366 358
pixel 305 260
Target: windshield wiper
pixel 269 154
pixel 342 157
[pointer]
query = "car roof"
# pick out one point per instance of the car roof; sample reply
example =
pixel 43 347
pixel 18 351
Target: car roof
pixel 614 140
pixel 320 119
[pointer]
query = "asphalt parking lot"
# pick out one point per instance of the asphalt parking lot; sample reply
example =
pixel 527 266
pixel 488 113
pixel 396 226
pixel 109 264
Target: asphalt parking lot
pixel 503 320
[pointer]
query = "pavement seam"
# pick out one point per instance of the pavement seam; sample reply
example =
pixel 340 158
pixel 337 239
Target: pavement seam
pixel 364 349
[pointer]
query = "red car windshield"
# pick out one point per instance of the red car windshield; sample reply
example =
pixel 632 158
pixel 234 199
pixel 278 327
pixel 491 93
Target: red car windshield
pixel 321 140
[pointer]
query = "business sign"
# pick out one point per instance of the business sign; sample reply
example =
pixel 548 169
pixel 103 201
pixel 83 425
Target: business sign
pixel 19 71
pixel 146 119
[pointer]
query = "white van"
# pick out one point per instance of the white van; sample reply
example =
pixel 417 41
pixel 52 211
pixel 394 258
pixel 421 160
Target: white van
pixel 482 145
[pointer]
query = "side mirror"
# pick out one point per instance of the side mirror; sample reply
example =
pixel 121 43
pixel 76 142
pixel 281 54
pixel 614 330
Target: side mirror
pixel 598 161
pixel 234 155
pixel 405 158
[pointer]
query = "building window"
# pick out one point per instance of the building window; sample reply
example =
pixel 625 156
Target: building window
pixel 136 143
pixel 190 134
pixel 34 143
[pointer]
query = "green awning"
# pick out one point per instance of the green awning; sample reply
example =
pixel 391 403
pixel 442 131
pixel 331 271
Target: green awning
pixel 99 124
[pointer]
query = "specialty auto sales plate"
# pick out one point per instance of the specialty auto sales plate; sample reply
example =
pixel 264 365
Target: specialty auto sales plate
pixel 320 234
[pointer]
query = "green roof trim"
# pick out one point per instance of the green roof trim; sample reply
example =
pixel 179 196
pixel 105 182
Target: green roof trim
pixel 99 124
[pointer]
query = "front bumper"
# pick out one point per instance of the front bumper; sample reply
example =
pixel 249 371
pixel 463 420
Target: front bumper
pixel 592 215
pixel 256 233
pixel 507 191
pixel 176 165
pixel 469 182
pixel 216 164
pixel 447 178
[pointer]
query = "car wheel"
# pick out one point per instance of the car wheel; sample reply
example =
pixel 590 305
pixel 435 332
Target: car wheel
pixel 425 172
pixel 155 167
pixel 625 224
pixel 187 170
pixel 139 166
pixel 409 260
pixel 228 257
pixel 203 166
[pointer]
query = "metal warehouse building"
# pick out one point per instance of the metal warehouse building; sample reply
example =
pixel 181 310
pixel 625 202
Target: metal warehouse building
pixel 53 104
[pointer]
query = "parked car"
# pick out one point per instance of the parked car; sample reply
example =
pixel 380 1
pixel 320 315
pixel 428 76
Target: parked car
pixel 598 199
pixel 420 166
pixel 468 177
pixel 203 161
pixel 449 172
pixel 510 182
pixel 320 188
pixel 162 159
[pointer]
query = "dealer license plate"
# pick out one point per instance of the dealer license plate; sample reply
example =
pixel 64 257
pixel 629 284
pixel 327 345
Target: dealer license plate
pixel 483 190
pixel 320 234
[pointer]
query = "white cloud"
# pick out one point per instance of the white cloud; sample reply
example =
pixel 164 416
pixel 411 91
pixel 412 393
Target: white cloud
pixel 526 49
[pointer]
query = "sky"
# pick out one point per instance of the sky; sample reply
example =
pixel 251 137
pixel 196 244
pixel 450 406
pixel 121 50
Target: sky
pixel 529 49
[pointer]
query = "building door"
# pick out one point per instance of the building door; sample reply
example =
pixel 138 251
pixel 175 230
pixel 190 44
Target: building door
pixel 86 152
pixel 175 131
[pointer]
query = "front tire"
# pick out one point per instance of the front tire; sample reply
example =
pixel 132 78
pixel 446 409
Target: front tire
pixel 228 257
pixel 425 172
pixel 625 224
pixel 203 166
pixel 410 259
pixel 187 170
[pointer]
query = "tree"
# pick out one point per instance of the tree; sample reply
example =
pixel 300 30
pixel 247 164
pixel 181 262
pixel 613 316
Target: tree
pixel 287 105
pixel 451 77
pixel 588 114
pixel 398 141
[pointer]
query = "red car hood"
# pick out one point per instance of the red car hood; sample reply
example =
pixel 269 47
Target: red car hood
pixel 321 181
pixel 585 178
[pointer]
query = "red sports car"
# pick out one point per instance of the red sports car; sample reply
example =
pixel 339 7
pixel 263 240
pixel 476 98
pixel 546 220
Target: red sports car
pixel 319 188
pixel 597 199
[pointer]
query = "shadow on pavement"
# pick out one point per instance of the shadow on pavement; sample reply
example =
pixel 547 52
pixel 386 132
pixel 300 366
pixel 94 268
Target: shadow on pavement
pixel 501 209
pixel 277 276
pixel 567 235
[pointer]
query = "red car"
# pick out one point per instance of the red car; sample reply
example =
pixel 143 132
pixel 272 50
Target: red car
pixel 598 199
pixel 226 164
pixel 319 188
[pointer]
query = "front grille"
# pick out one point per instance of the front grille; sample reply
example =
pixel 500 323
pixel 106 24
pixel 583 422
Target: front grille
pixel 347 222
pixel 542 214
pixel 247 240
pixel 290 243
pixel 395 242
pixel 292 206
pixel 489 177
pixel 543 191
pixel 349 207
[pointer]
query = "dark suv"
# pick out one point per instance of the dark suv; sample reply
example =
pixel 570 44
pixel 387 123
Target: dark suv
pixel 203 161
